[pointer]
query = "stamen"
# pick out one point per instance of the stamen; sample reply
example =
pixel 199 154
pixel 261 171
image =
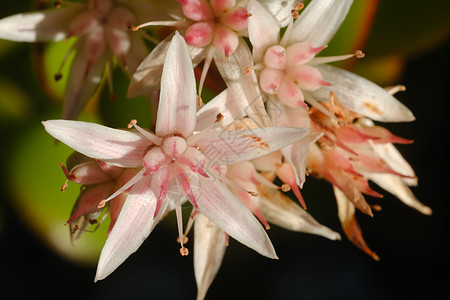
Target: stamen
pixel 57 4
pixel 125 187
pixel 180 23
pixel 206 65
pixel 248 70
pixel 215 174
pixel 153 138
pixel 183 251
pixel 328 59
pixel 191 140
pixel 58 74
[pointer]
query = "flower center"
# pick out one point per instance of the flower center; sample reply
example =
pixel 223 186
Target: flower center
pixel 173 147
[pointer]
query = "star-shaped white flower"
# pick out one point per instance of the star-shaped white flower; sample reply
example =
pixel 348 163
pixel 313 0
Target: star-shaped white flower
pixel 177 163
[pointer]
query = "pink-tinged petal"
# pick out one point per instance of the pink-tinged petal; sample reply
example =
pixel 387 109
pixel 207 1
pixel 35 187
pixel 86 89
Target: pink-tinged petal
pixel 194 160
pixel 396 186
pixel 270 80
pixel 90 198
pixel 177 111
pixel 237 19
pixel 230 147
pixel 119 42
pixel 136 54
pixel 84 79
pixel 199 34
pixel 361 96
pixel 308 78
pixel 209 249
pixel 219 204
pixel 319 22
pixel 197 10
pixel 153 160
pixel 94 47
pixel 275 57
pixel 117 147
pixel 83 23
pixel 160 186
pixel 290 94
pixel 300 53
pixel 243 175
pixel 221 7
pixel 91 173
pixel 346 213
pixel 133 226
pixel 225 40
pixel 263 29
pixel 47 25
pixel 115 207
pixel 280 210
pixel 286 174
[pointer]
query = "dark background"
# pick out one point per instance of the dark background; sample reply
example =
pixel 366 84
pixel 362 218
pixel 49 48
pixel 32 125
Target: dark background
pixel 414 259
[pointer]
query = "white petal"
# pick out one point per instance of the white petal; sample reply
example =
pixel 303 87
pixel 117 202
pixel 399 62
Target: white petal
pixel 395 160
pixel 235 73
pixel 282 211
pixel 177 110
pixel 361 96
pixel 117 147
pixel 81 86
pixel 281 10
pixel 147 77
pixel 228 103
pixel 263 29
pixel 47 25
pixel 133 226
pixel 229 147
pixel 297 153
pixel 209 249
pixel 319 22
pixel 219 204
pixel 137 53
pixel 395 185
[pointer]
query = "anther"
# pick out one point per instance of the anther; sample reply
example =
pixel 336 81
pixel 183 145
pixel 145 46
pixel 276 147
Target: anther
pixel 285 187
pixel 57 4
pixel 101 204
pixel 219 118
pixel 58 77
pixel 132 123
pixel 254 194
pixel 133 28
pixel 184 251
pixel 75 228
pixel 185 239
pixel 64 186
pixel 249 14
pixel 359 54
pixel 248 70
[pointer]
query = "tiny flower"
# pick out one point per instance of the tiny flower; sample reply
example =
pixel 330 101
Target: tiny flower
pixel 176 164
pixel 101 28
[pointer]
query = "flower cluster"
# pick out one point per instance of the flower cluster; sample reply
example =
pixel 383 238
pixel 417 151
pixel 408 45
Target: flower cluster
pixel 285 113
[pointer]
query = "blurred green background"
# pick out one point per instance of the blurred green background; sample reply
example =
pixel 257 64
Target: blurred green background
pixel 406 42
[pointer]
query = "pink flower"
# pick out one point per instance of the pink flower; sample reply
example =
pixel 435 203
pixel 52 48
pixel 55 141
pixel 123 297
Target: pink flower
pixel 101 27
pixel 177 164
